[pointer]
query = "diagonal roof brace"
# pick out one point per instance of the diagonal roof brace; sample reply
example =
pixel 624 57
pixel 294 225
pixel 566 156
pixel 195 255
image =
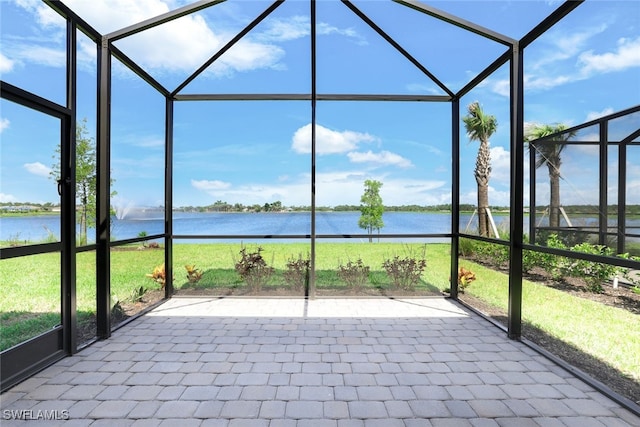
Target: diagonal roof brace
pixel 395 44
pixel 228 46
pixel 458 22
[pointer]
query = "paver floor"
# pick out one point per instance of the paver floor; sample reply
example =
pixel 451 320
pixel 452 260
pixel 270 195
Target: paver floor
pixel 294 362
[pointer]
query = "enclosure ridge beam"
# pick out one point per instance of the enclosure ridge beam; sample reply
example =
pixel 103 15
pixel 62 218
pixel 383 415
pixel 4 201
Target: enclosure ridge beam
pixel 133 66
pixel 397 46
pixel 382 97
pixel 307 97
pixel 229 45
pixel 161 19
pixel 458 22
pixel 562 11
pixel 243 97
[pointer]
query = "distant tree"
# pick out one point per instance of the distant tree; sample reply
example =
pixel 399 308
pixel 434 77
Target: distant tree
pixel 86 178
pixel 371 208
pixel 480 127
pixel 548 153
pixel 276 206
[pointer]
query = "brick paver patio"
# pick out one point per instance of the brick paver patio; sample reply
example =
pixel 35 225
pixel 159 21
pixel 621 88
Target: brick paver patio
pixel 293 362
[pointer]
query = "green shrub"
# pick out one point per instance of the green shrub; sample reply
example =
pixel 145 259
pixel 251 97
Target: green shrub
pixel 354 274
pixel 466 247
pixel 405 272
pixel 253 269
pixel 297 272
pixel 594 273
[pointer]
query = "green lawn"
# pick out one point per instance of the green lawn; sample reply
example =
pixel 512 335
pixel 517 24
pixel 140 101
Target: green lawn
pixel 217 262
pixel 607 333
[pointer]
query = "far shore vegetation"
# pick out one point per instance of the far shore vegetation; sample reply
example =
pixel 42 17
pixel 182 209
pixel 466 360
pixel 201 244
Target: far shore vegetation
pixel 28 208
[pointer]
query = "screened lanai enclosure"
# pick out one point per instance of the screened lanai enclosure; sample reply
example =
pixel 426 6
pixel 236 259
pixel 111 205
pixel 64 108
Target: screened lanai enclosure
pixel 180 172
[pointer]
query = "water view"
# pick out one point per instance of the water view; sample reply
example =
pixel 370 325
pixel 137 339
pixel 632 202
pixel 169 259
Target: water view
pixel 42 228
pixel 47 227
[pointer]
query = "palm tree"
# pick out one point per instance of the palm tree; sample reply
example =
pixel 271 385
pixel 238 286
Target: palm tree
pixel 480 127
pixel 548 153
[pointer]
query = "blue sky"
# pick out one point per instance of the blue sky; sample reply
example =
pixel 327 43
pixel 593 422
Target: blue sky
pixel 586 66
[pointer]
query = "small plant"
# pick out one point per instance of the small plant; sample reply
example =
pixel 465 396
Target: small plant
pixel 594 273
pixel 143 234
pixel 405 272
pixel 193 274
pixel 253 269
pixel 354 274
pixel 137 294
pixel 465 277
pixel 631 276
pixel 14 240
pixel 51 236
pixel 466 247
pixel 116 307
pixel 159 275
pixel 297 272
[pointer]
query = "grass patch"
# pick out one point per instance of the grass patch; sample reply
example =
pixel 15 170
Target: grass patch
pixel 609 334
pixel 217 263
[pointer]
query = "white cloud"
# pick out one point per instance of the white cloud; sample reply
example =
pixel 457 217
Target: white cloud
pixel 210 186
pixel 334 188
pixel 4 124
pixel 328 141
pixel 382 158
pixel 185 44
pixel 46 16
pixel 287 29
pixel 500 165
pixel 7 198
pixel 597 114
pixel 562 46
pixel 633 192
pixel 38 168
pixel 346 187
pixel 555 68
pixel 325 29
pixel 626 55
pixel 181 45
pixel 299 26
pixel 36 54
pixel 6 64
pixel 496 198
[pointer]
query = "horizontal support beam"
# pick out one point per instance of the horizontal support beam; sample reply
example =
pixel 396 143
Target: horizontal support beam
pixel 307 97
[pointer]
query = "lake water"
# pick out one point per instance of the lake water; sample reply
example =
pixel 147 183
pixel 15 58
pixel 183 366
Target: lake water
pixel 38 228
